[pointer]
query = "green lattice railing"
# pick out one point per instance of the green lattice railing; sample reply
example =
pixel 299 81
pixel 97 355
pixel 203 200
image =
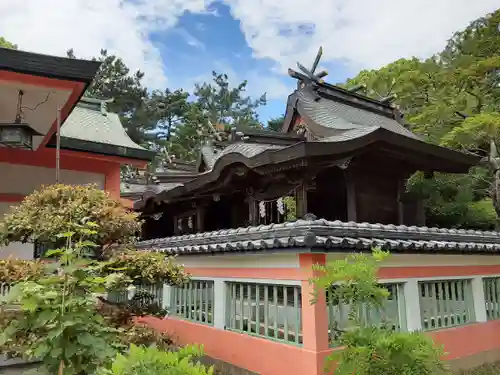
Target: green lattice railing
pixel 265 310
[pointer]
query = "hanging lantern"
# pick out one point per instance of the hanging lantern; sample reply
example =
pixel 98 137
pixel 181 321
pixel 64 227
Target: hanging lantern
pixel 18 134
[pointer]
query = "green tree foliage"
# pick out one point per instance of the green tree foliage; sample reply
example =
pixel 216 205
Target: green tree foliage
pixel 276 123
pixel 368 349
pixel 4 43
pixel 223 104
pixel 172 107
pixel 189 136
pixel 451 99
pixel 216 105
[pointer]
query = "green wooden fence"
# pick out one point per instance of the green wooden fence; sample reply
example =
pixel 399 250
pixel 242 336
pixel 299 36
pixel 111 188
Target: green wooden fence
pixel 446 303
pixel 193 301
pixel 491 286
pixel 265 310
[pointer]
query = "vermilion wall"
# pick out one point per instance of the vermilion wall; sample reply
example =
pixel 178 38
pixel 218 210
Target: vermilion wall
pixel 461 342
pixel 267 357
pixel 262 356
pixel 28 170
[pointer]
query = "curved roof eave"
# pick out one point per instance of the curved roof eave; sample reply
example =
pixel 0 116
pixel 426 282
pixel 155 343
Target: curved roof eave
pixel 456 161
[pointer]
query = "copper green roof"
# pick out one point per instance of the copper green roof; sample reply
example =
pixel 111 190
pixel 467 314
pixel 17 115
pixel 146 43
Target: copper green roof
pixel 91 128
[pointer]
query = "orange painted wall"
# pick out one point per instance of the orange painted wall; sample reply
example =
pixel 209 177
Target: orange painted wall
pixel 463 341
pixel 262 356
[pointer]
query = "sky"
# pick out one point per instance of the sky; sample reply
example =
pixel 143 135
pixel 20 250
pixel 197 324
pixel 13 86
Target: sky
pixel 178 43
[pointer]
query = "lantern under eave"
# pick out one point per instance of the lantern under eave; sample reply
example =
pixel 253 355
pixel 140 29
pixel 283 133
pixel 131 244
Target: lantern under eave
pixel 17 134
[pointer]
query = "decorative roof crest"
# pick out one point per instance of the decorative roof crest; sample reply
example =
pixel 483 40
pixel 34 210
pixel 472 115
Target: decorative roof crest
pixel 309 75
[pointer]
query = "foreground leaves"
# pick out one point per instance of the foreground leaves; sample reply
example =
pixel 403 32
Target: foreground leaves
pixel 152 361
pixel 53 311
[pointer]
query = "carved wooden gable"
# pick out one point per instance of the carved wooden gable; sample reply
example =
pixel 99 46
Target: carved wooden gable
pixel 301 128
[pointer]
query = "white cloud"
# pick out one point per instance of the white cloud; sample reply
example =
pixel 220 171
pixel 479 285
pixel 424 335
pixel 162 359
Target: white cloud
pixel 54 26
pixel 365 33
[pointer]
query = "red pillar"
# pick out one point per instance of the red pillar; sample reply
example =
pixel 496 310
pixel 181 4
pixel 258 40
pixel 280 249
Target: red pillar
pixel 314 316
pixel 112 181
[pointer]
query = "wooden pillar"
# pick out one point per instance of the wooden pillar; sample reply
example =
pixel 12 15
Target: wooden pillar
pixel 200 219
pixel 301 196
pixel 253 211
pixel 400 200
pixel 420 212
pixel 351 197
pixel 177 231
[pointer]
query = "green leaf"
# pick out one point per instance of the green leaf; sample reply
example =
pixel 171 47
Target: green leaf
pixel 65 234
pixel 50 253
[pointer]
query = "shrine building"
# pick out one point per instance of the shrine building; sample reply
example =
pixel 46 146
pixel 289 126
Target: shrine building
pixel 252 215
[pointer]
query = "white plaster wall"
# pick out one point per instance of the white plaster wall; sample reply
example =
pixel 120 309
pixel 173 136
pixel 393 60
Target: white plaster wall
pixel 259 260
pixel 291 260
pixel 23 179
pixel 15 249
pixel 418 260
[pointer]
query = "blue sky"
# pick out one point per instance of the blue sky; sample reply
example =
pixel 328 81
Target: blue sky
pixel 200 43
pixel 179 42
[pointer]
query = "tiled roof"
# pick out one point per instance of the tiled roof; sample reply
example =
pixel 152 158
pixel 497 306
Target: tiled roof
pixel 139 189
pixel 339 116
pixel 88 123
pixel 48 66
pixel 330 235
pixel 247 149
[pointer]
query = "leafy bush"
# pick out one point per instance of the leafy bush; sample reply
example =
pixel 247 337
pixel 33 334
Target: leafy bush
pixel 143 335
pixel 145 266
pixel 376 351
pixel 152 361
pixel 57 321
pixel 61 317
pixel 20 270
pixel 56 209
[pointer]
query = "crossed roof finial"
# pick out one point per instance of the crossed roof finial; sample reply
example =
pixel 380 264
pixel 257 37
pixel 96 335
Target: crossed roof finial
pixel 309 75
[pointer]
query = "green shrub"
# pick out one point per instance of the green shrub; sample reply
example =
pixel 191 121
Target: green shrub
pixel 140 360
pixel 369 349
pixel 377 351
